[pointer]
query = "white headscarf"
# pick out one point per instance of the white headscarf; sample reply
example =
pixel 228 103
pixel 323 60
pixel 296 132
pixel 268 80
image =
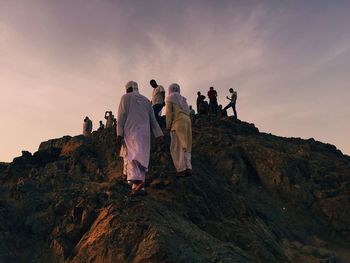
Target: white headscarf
pixel 175 97
pixel 133 85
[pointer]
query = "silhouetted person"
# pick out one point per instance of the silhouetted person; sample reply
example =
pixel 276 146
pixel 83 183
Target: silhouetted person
pixel 202 107
pixel 213 103
pixel 192 113
pixel 222 112
pixel 87 126
pixel 232 103
pixel 102 126
pixel 110 118
pixel 158 97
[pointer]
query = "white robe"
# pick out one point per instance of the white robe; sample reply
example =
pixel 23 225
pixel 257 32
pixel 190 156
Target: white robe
pixel 135 121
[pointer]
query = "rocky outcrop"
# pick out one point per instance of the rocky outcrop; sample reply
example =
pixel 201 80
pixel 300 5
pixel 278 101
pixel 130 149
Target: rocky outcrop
pixel 254 197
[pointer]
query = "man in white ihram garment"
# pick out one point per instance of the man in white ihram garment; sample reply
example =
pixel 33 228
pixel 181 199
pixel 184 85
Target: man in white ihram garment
pixel 136 120
pixel 178 121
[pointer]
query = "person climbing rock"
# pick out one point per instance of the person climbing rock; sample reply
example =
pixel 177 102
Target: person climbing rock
pixel 136 120
pixel 232 103
pixel 178 122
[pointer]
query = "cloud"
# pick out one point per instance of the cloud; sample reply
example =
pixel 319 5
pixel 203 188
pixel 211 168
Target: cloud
pixel 62 60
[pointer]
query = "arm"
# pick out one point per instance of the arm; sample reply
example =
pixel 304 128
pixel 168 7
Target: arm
pixel 122 116
pixel 163 95
pixel 169 115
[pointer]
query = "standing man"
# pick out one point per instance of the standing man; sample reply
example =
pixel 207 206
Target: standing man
pixel 178 122
pixel 158 97
pixel 232 103
pixel 135 121
pixel 87 126
pixel 109 119
pixel 213 103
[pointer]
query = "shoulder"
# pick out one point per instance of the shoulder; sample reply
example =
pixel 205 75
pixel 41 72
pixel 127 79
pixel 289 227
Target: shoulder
pixel 161 88
pixel 143 98
pixel 125 96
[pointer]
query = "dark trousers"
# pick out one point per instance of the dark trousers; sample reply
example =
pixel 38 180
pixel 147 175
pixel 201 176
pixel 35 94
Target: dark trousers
pixel 213 104
pixel 157 108
pixel 233 105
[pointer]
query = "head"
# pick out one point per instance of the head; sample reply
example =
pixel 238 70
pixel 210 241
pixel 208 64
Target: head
pixel 231 90
pixel 153 83
pixel 198 93
pixel 220 106
pixel 211 88
pixel 86 118
pixel 101 122
pixel 174 88
pixel 190 107
pixel 131 86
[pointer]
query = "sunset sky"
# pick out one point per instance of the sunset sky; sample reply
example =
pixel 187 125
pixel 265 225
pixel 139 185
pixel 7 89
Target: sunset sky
pixel 63 60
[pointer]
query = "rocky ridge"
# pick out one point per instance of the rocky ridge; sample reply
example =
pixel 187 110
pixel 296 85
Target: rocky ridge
pixel 254 197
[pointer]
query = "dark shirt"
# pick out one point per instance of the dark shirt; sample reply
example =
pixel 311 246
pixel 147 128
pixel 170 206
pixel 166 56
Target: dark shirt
pixel 212 95
pixel 200 99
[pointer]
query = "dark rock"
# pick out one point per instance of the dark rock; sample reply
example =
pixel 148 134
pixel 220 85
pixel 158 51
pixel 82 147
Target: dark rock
pixel 253 197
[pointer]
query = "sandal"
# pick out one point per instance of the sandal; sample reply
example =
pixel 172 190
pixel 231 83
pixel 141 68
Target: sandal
pixel 138 190
pixel 181 174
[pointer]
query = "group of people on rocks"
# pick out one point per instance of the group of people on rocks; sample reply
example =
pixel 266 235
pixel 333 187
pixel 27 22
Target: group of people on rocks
pixel 111 122
pixel 138 117
pixel 203 107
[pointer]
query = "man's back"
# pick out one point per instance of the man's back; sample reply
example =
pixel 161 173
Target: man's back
pixel 158 95
pixel 212 95
pixel 134 112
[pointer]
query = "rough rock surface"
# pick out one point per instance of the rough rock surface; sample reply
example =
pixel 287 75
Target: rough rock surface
pixel 254 197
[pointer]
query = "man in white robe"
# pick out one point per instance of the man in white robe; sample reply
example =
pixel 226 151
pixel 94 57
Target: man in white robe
pixel 136 120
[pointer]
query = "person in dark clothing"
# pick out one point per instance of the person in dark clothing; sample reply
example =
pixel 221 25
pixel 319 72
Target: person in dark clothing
pixel 102 126
pixel 222 112
pixel 201 104
pixel 213 103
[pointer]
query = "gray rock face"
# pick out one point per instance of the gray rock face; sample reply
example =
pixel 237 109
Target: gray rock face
pixel 253 197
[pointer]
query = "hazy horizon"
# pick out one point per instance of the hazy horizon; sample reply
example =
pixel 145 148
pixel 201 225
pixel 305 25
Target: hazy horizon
pixel 64 60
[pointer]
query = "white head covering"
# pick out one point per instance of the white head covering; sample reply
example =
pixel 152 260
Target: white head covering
pixel 175 97
pixel 133 85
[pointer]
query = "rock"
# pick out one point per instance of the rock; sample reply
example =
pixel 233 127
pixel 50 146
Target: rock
pixel 253 197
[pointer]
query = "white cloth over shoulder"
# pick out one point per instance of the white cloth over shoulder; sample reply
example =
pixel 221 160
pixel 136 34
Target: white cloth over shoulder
pixel 157 97
pixel 175 97
pixel 135 121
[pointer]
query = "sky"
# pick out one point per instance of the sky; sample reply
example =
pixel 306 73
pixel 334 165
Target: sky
pixel 63 60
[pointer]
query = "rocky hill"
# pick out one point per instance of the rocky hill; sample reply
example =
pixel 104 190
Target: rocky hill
pixel 254 197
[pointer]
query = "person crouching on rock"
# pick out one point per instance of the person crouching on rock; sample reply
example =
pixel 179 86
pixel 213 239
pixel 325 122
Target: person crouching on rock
pixel 136 119
pixel 178 122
